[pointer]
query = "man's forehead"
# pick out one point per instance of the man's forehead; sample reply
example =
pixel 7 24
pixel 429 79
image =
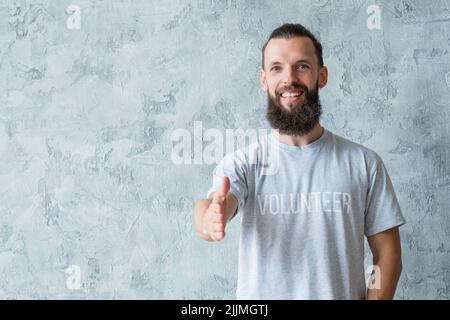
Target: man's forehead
pixel 298 48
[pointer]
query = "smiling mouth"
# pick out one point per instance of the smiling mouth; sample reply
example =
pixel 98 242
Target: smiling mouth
pixel 291 96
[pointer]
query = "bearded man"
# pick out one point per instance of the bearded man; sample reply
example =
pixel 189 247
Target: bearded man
pixel 304 224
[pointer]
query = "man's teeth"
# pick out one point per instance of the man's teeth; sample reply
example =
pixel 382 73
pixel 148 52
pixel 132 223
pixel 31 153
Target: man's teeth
pixel 291 94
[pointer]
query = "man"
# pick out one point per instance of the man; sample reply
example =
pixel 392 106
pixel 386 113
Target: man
pixel 303 224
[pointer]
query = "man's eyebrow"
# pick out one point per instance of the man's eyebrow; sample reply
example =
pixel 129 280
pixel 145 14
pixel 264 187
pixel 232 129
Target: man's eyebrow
pixel 298 61
pixel 304 60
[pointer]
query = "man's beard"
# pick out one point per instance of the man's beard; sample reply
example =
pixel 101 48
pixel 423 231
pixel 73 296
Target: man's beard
pixel 302 116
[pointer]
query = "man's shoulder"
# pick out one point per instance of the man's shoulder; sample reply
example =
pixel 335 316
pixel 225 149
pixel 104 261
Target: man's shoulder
pixel 354 149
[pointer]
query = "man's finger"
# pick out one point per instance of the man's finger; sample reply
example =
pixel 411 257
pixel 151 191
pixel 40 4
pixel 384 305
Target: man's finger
pixel 218 226
pixel 221 194
pixel 218 217
pixel 218 236
pixel 225 188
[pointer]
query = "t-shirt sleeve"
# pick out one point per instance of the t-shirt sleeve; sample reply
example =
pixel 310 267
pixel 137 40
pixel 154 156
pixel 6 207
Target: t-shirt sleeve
pixel 382 208
pixel 232 166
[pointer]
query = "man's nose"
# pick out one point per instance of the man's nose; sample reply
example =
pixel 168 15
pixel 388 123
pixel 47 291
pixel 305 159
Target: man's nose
pixel 289 76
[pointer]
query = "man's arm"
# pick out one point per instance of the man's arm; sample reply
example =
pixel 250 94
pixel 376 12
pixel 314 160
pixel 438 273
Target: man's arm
pixel 387 255
pixel 212 214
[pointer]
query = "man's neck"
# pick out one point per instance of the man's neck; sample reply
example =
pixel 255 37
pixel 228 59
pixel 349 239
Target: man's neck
pixel 300 141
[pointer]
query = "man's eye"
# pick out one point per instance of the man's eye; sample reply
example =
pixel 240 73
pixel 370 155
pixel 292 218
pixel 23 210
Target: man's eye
pixel 276 68
pixel 302 66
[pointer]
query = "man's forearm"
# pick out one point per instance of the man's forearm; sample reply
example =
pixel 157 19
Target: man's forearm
pixel 383 287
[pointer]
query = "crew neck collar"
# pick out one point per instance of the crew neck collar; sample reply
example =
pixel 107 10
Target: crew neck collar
pixel 306 148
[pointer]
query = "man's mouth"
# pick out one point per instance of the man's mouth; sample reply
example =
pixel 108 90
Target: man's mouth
pixel 291 96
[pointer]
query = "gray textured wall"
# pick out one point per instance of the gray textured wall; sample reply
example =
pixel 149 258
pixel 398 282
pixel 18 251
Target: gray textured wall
pixel 87 183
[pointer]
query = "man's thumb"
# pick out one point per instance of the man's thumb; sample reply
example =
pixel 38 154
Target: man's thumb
pixel 224 188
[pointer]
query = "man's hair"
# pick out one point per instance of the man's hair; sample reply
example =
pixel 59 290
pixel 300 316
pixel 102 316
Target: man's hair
pixel 289 31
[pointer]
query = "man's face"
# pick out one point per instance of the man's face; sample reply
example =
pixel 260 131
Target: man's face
pixel 292 78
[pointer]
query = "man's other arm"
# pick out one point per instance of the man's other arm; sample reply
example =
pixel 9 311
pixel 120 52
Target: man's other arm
pixel 387 255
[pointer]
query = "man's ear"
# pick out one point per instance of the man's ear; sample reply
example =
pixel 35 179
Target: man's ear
pixel 263 79
pixel 323 77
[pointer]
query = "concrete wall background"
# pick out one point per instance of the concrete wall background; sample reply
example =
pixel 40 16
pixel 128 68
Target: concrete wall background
pixel 86 116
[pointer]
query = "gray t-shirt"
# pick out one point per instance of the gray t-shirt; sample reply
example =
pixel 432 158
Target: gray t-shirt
pixel 305 211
